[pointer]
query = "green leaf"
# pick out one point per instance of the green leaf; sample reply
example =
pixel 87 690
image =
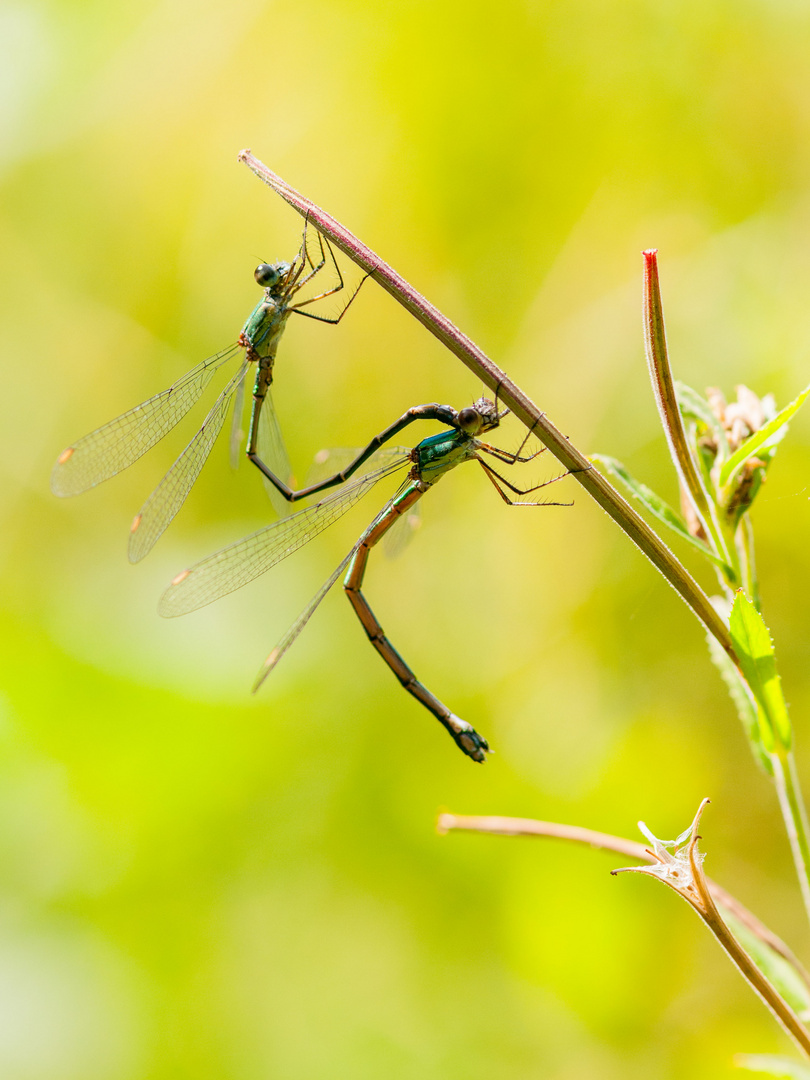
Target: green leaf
pixel 779 971
pixel 773 1066
pixel 759 438
pixel 746 710
pixel 754 647
pixel 655 504
pixel 693 406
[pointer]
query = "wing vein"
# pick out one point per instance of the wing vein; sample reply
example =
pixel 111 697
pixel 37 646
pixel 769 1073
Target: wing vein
pixel 236 565
pixel 112 448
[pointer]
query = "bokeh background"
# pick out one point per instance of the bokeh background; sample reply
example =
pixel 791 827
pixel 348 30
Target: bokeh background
pixel 200 884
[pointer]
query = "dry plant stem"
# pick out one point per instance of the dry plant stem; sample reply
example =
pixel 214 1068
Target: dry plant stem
pixel 752 975
pixel 510 395
pixel 655 348
pixel 551 830
pixel 692 887
pixel 748 969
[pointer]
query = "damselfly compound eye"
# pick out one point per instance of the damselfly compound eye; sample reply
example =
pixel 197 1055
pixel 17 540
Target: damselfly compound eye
pixel 469 420
pixel 266 275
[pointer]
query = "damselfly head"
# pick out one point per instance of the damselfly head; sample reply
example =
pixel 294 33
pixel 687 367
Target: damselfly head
pixel 269 274
pixel 478 417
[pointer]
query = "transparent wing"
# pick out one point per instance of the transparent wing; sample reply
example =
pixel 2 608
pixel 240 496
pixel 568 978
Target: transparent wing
pixel 271 448
pixel 157 512
pixel 399 535
pixel 302 620
pixel 116 445
pixel 237 433
pixel 273 452
pixel 328 462
pixel 236 565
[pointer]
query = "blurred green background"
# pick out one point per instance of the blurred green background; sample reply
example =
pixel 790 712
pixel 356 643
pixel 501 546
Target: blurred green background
pixel 200 884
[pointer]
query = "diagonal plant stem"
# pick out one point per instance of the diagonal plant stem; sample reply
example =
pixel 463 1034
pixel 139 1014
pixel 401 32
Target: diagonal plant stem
pixel 680 868
pixel 552 830
pixel 645 538
pixel 686 878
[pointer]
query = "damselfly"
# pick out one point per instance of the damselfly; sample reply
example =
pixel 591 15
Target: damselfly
pixel 430 460
pixel 115 446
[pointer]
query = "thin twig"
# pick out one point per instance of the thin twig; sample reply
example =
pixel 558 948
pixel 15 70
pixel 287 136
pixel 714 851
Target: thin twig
pixel 707 909
pixel 552 830
pixel 645 538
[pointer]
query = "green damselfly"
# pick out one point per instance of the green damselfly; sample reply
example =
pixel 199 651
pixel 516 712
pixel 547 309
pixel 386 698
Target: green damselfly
pixel 239 563
pixel 117 445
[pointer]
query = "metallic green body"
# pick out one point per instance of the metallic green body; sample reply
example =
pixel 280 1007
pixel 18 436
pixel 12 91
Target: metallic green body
pixel 438 454
pixel 264 327
pixel 433 458
pixel 260 337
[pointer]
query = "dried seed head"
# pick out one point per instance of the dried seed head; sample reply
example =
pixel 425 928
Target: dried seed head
pixel 678 863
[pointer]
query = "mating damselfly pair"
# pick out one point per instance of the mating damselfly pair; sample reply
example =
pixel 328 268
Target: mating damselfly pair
pixel 118 444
